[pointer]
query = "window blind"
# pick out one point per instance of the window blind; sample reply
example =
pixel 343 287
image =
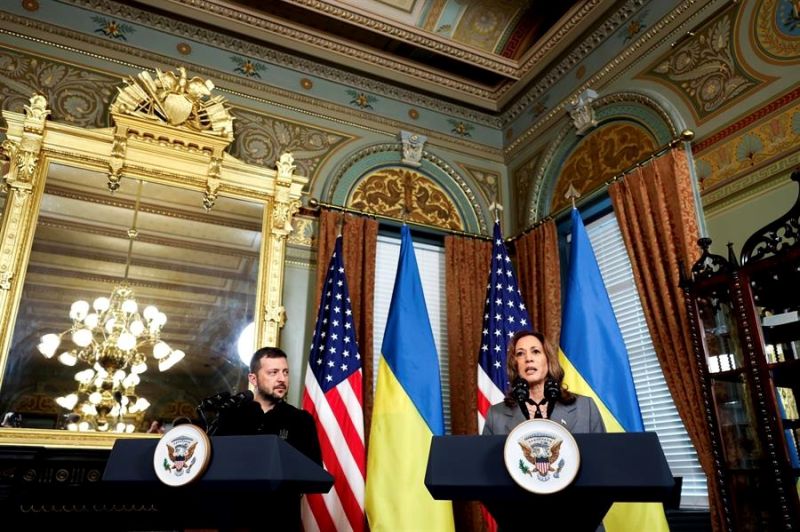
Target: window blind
pixel 430 260
pixel 658 409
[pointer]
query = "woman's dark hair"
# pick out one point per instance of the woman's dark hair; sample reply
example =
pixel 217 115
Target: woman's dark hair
pixel 554 369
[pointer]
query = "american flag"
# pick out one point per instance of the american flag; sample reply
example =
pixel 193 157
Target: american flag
pixel 503 315
pixel 333 396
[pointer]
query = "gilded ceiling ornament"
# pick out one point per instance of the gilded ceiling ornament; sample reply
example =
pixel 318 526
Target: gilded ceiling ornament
pixel 176 100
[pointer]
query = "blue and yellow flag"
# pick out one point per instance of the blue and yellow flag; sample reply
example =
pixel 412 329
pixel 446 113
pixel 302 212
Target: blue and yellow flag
pixel 596 364
pixel 407 412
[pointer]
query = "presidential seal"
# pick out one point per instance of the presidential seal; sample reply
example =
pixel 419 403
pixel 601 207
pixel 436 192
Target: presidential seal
pixel 182 455
pixel 541 456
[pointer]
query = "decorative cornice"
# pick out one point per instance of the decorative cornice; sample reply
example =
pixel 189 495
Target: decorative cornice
pixel 607 74
pixel 578 53
pixel 223 41
pixel 742 123
pixel 751 184
pixel 358 117
pixel 494 63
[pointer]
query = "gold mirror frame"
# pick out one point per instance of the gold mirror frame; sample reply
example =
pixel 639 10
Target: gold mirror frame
pixel 169 130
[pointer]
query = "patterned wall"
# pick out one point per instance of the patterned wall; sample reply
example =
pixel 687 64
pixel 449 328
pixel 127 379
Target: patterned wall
pixel 600 156
pixel 767 139
pixel 706 71
pixel 404 193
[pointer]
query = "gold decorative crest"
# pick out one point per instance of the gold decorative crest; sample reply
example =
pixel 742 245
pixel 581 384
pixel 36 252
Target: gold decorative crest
pixel 175 100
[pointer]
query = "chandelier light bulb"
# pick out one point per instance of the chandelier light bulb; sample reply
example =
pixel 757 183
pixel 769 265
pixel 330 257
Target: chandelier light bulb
pixel 161 319
pixel 82 337
pixel 88 409
pixel 101 304
pixel 85 376
pixel 119 376
pixel 109 325
pixel 68 401
pixel 139 367
pixel 83 426
pixel 137 328
pixel 72 426
pixel 95 398
pixel 67 358
pixel 102 427
pixel 121 427
pixel 142 404
pixel 114 411
pixel 129 382
pixel 150 312
pixel 160 350
pixel 129 428
pixel 79 310
pixel 129 306
pixel 48 344
pixel 171 360
pixel 126 341
pixel 91 320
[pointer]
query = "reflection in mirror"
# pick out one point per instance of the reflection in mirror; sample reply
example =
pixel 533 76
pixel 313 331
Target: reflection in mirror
pixel 84 356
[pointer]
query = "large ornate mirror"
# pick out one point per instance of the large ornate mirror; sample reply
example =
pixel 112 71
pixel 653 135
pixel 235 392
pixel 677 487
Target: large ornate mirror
pixel 134 259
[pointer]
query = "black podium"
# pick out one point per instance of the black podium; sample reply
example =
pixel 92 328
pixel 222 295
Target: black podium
pixel 251 481
pixel 627 467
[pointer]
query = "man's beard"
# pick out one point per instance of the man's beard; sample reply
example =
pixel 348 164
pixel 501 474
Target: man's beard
pixel 271 397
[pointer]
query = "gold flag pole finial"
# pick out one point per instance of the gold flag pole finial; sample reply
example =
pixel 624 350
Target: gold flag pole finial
pixel 572 194
pixel 340 224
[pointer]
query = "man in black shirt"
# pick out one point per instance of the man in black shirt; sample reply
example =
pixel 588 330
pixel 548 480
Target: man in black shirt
pixel 268 412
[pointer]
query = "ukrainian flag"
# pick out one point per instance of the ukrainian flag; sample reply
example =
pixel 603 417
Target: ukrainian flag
pixel 407 412
pixel 595 363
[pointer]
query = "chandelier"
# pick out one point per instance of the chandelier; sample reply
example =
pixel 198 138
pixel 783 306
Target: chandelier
pixel 110 339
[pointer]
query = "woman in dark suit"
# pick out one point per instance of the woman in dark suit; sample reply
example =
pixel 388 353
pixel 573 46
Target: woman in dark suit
pixel 531 357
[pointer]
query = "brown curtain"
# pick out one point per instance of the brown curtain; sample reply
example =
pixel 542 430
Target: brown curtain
pixel 540 278
pixel 359 242
pixel 467 263
pixel 655 208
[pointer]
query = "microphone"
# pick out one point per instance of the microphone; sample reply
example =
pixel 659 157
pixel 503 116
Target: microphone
pixel 552 390
pixel 519 392
pixel 235 401
pixel 214 402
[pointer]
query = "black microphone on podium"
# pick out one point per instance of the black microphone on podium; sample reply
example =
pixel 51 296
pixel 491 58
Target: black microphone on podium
pixel 213 402
pixel 519 391
pixel 552 390
pixel 235 401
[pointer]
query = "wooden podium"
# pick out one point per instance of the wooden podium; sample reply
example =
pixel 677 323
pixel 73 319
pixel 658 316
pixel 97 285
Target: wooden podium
pixel 251 481
pixel 627 467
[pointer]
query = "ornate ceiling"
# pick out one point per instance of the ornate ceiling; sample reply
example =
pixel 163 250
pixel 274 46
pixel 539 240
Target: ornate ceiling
pixel 483 52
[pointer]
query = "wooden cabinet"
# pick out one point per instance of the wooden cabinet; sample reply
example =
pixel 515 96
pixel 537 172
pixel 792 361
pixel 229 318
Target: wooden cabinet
pixel 745 316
